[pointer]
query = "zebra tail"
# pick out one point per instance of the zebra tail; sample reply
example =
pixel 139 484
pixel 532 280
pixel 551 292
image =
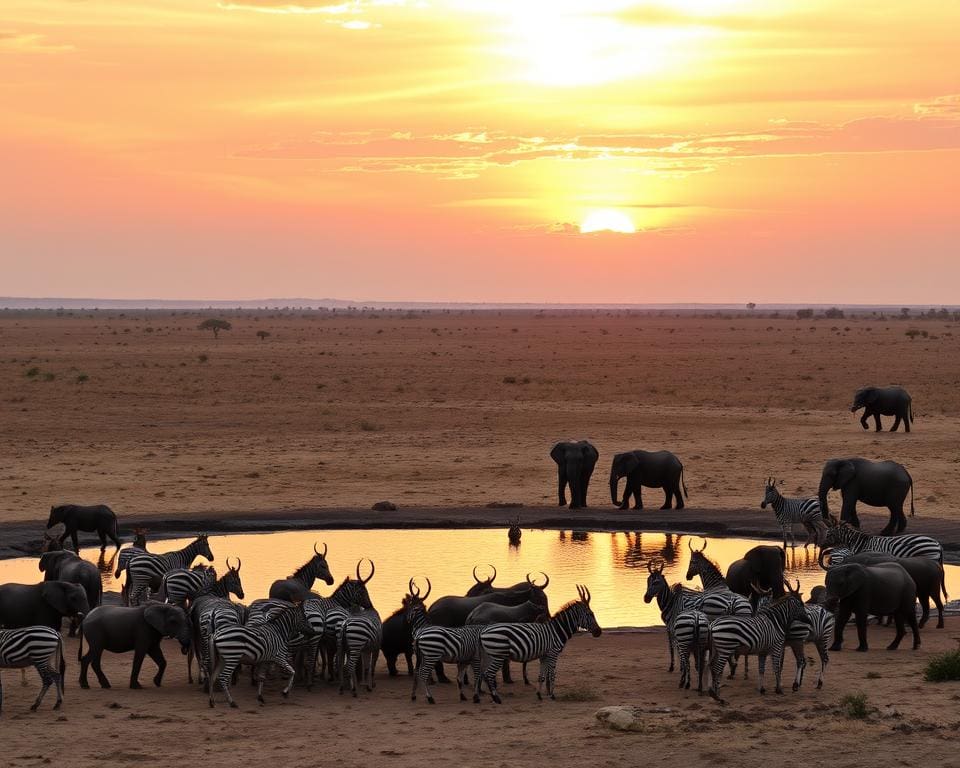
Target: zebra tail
pixel 910 411
pixel 61 663
pixel 943 579
pixel 682 483
pixel 912 510
pixel 80 644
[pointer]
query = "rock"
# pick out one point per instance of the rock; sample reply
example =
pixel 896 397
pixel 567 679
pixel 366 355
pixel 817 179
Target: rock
pixel 621 718
pixel 384 506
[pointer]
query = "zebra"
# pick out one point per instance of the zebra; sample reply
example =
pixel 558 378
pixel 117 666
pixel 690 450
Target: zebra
pixel 686 626
pixel 908 545
pixel 182 584
pixel 258 643
pixel 819 632
pixel 433 644
pixel 789 512
pixel 763 634
pixel 525 642
pixel 361 635
pixel 124 556
pixel 296 587
pixel 717 598
pixel 213 597
pixel 147 568
pixel 40 646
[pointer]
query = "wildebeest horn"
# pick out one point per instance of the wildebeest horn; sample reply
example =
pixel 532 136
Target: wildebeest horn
pixel 373 569
pixel 760 591
pixel 414 590
pixel 316 552
pixel 230 567
pixel 475 575
pixel 790 589
pixel 429 587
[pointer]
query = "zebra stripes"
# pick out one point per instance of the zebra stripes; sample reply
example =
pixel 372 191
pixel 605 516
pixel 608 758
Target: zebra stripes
pixel 908 545
pixel 717 599
pixel 790 512
pixel 146 569
pixel 525 642
pixel 818 631
pixel 259 643
pixel 763 635
pixel 686 626
pixel 361 635
pixel 434 645
pixel 39 646
pixel 182 584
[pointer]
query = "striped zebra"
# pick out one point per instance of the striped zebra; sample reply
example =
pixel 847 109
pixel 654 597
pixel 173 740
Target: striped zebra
pixel 819 632
pixel 147 569
pixel 124 556
pixel 686 626
pixel 526 642
pixel 182 584
pixel 40 646
pixel 361 635
pixel 717 598
pixel 790 512
pixel 908 545
pixel 434 645
pixel 763 635
pixel 214 598
pixel 258 643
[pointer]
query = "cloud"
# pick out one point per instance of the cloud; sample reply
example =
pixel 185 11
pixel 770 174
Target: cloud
pixel 940 106
pixel 29 42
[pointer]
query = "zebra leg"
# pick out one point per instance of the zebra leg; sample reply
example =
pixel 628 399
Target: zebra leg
pixel 490 676
pixel 717 662
pixel 47 677
pixel 761 669
pixel 1 694
pixel 670 644
pixel 23 677
pixel 286 666
pixel 507 677
pixel 778 667
pixel 461 674
pixel 541 678
pixel 190 655
pixel 801 660
pixel 224 677
pixel 824 660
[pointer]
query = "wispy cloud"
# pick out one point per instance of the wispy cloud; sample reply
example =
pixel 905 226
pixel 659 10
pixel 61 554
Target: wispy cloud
pixel 29 42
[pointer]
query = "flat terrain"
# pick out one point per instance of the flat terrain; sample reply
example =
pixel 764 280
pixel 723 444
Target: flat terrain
pixel 158 419
pixel 910 722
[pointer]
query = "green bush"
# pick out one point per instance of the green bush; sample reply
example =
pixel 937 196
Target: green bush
pixel 32 372
pixel 854 705
pixel 945 666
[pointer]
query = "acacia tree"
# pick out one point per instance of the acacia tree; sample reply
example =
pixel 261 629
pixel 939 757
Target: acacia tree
pixel 216 325
pixel 263 335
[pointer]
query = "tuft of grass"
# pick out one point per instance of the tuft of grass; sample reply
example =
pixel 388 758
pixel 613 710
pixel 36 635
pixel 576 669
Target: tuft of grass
pixel 48 376
pixel 82 378
pixel 509 379
pixel 202 358
pixel 873 675
pixel 943 667
pixel 369 426
pixel 33 372
pixel 854 706
pixel 276 377
pixel 578 693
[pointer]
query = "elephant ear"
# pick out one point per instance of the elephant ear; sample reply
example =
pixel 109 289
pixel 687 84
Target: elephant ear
pixel 630 462
pixel 854 577
pixel 54 595
pixel 557 453
pixel 871 395
pixel 156 616
pixel 845 473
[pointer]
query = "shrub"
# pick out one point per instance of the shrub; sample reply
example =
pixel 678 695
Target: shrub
pixel 82 377
pixel 581 693
pixel 262 335
pixel 202 358
pixel 32 372
pixel 49 376
pixel 369 426
pixel 509 379
pixel 804 313
pixel 945 666
pixel 854 706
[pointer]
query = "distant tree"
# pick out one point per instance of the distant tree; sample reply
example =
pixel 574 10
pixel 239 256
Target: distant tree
pixel 751 306
pixel 804 313
pixel 215 325
pixel 833 313
pixel 262 335
pixel 905 312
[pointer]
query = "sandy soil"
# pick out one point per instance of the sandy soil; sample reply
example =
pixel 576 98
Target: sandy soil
pixel 441 409
pixel 911 722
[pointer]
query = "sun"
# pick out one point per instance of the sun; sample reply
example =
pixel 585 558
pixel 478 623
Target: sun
pixel 607 220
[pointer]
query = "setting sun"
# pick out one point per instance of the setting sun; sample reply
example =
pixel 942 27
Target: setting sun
pixel 607 220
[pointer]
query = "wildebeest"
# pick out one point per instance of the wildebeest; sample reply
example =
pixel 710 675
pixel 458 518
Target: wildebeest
pixel 493 613
pixel 296 588
pixel 98 518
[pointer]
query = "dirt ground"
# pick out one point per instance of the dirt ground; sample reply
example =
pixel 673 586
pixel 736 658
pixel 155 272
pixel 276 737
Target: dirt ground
pixel 158 419
pixel 909 721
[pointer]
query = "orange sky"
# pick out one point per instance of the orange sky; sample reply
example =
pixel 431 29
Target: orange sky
pixel 766 150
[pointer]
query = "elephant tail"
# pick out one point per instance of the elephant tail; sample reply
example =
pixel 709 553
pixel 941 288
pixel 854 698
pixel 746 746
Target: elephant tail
pixel 61 662
pixel 683 484
pixel 912 510
pixel 943 579
pixel 80 644
pixel 910 411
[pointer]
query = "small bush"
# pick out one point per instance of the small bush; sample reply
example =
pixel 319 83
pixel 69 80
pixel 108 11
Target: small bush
pixel 509 379
pixel 369 426
pixel 873 675
pixel 578 693
pixel 33 372
pixel 49 376
pixel 82 378
pixel 202 358
pixel 945 666
pixel 854 706
pixel 276 377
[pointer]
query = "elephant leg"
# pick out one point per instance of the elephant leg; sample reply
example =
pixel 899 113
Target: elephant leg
pixel 896 423
pixel 75 540
pixel 95 658
pixel 103 540
pixel 848 512
pixel 627 493
pixel 912 621
pixel 901 630
pixel 84 665
pixel 876 420
pixel 561 487
pixel 863 420
pixel 843 616
pixel 638 496
pixel 906 421
pixel 862 631
pixel 896 513
pixel 584 485
pixel 156 654
pixel 677 495
pixel 138 655
pixel 667 497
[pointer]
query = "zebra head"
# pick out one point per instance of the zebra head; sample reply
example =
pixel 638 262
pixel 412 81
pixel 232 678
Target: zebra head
pixel 699 565
pixel 770 493
pixel 581 613
pixel 202 545
pixel 414 604
pixel 785 610
pixel 354 591
pixel 231 580
pixel 656 581
pixel 831 557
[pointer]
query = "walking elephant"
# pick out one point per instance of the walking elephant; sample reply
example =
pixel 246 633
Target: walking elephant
pixel 575 463
pixel 884 401
pixel 99 518
pixel 47 603
pixel 763 566
pixel 883 589
pixel 876 483
pixel 66 566
pixel 139 629
pixel 653 469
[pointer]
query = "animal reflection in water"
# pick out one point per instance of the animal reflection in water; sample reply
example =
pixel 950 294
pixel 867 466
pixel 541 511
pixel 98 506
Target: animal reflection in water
pixel 636 555
pixel 580 537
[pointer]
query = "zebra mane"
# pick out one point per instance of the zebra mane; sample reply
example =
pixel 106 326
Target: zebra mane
pixel 712 565
pixel 307 567
pixel 567 606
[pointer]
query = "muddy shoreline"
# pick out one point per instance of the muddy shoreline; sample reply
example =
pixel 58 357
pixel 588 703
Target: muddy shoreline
pixel 19 538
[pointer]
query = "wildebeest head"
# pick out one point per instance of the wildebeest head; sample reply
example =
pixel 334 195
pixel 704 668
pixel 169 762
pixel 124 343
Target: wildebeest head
pixel 482 586
pixel 656 581
pixel 231 579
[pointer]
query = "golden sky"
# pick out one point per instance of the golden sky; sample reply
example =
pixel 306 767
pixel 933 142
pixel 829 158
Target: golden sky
pixel 461 150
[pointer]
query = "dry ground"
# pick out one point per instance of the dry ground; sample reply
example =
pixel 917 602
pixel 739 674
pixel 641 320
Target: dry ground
pixel 157 418
pixel 914 722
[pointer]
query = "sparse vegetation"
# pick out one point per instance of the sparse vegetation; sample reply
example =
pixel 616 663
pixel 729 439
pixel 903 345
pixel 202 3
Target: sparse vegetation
pixel 369 426
pixel 32 372
pixel 82 377
pixel 803 314
pixel 854 706
pixel 578 693
pixel 48 376
pixel 943 667
pixel 263 335
pixel 216 325
pixel 202 358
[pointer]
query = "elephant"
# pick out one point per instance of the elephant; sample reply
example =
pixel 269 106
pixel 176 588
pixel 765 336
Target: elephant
pixel 884 401
pixel 882 589
pixel 575 463
pixel 762 566
pixel 877 483
pixel 927 576
pixel 653 469
pixel 99 518
pixel 66 566
pixel 25 605
pixel 140 629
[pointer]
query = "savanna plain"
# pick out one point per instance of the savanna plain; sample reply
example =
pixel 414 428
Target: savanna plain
pixel 329 412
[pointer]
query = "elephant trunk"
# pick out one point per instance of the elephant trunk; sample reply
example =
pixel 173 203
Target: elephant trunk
pixel 822 495
pixel 614 479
